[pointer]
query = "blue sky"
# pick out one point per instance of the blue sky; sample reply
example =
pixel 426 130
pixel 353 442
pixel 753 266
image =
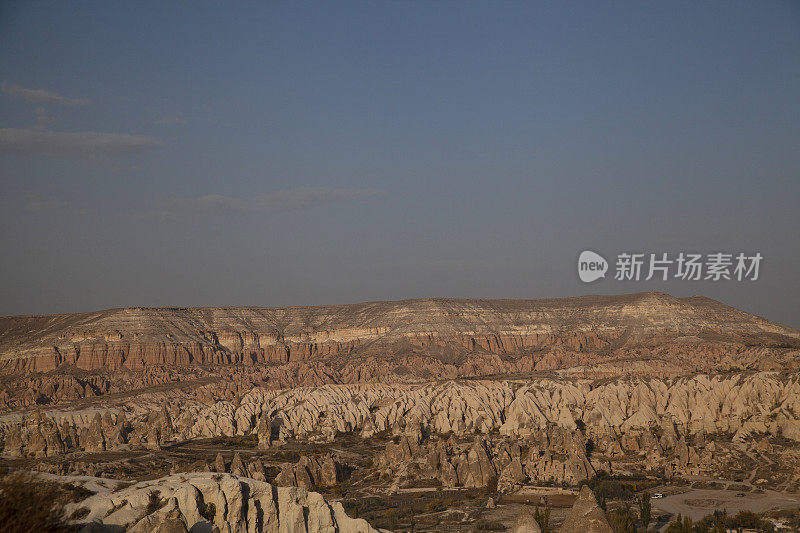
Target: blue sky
pixel 330 152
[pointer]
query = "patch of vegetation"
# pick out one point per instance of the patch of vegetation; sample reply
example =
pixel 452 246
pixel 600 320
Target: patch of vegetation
pixel 396 512
pixel 391 519
pixel 542 518
pixel 29 504
pixel 606 487
pixel 154 502
pixel 791 516
pixel 681 524
pixel 117 507
pixel 600 496
pixel 246 441
pixel 271 472
pixel 739 488
pixel 645 509
pixel 589 447
pixel 494 525
pixel 80 512
pixel 122 485
pixel 621 520
pixel 74 493
pixel 491 486
pixel 363 507
pixel 708 485
pixel 420 482
pixel 384 434
pixel 720 521
pixel 435 506
pixel 208 511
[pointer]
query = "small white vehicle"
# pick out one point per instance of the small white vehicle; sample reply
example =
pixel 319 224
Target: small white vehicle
pixel 657 496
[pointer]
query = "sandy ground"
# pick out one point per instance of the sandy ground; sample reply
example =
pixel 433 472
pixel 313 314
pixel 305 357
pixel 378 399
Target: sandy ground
pixel 697 503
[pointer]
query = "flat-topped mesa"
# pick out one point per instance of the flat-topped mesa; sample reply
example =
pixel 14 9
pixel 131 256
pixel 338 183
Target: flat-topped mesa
pixel 446 329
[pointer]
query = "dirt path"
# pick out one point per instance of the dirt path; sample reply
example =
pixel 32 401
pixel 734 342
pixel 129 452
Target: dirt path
pixel 697 503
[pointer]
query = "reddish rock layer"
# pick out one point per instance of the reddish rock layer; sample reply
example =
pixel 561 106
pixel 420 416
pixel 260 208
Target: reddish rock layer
pixel 550 333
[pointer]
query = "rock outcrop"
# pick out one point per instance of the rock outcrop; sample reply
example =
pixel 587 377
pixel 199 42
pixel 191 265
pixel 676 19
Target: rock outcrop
pixel 482 461
pixel 620 416
pixel 440 336
pixel 526 523
pixel 586 516
pixel 204 501
pixel 311 472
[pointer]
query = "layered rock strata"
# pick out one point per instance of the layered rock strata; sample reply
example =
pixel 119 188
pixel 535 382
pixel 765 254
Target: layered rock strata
pixel 576 331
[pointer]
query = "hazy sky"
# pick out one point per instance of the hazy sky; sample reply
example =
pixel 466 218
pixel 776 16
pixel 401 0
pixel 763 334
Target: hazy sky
pixel 313 153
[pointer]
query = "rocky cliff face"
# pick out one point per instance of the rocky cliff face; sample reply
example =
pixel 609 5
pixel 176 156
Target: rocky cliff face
pixel 621 413
pixel 458 337
pixel 222 502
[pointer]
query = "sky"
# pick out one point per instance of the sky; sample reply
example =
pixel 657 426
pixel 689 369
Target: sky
pixel 303 153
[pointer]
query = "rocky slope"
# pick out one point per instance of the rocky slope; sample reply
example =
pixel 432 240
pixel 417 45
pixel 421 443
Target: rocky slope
pixel 620 415
pixel 530 333
pixel 230 503
pixel 203 501
pixel 93 357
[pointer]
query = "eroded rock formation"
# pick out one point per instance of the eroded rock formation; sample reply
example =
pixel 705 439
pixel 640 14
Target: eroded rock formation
pixel 586 515
pixel 224 501
pixel 619 415
pixel 440 333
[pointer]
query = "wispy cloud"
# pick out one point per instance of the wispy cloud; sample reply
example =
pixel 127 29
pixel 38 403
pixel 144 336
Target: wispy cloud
pixel 299 198
pixel 78 144
pixel 41 96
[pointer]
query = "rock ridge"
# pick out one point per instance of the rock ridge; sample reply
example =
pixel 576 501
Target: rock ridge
pixel 445 329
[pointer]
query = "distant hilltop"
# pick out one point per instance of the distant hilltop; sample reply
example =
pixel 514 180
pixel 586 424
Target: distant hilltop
pixel 476 337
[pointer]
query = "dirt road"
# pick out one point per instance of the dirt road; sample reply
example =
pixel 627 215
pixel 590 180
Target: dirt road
pixel 697 503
